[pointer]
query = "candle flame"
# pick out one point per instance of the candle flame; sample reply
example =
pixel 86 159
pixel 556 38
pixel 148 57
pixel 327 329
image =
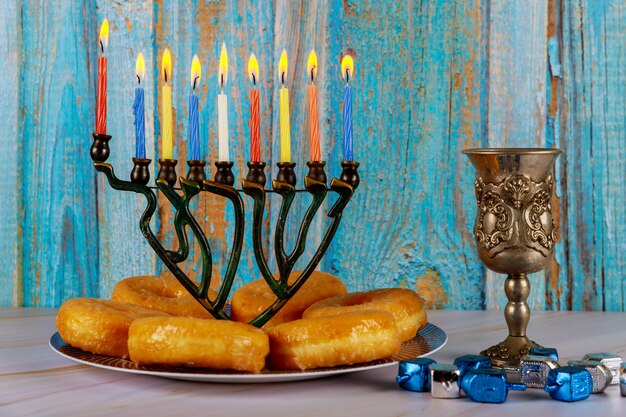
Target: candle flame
pixel 282 67
pixel 104 35
pixel 347 68
pixel 223 72
pixel 253 69
pixel 166 65
pixel 196 72
pixel 140 68
pixel 312 65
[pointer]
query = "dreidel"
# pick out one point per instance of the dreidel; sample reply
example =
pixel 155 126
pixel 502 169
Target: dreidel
pixel 534 370
pixel 569 383
pixel 600 374
pixel 488 385
pixel 414 374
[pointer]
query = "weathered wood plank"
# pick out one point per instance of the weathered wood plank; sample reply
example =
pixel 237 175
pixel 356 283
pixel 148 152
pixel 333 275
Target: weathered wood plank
pixel 299 28
pixel 517 101
pixel 417 104
pixel 11 202
pixel 593 118
pixel 200 28
pixel 122 249
pixel 59 228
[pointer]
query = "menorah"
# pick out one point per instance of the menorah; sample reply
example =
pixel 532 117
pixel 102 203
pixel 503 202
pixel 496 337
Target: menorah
pixel 195 182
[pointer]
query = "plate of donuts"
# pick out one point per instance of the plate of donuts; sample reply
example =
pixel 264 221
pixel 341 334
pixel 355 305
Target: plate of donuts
pixel 428 340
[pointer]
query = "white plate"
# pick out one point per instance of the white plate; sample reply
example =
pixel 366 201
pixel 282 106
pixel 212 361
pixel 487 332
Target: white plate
pixel 428 340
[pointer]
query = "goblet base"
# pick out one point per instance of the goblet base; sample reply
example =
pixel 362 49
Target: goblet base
pixel 508 353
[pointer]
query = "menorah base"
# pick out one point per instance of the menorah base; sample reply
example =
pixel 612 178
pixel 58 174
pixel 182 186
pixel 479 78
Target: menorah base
pixel 508 353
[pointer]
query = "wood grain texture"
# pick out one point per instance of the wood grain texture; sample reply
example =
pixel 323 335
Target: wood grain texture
pixel 517 102
pixel 122 249
pixel 593 117
pixel 431 79
pixel 59 226
pixel 10 157
pixel 417 104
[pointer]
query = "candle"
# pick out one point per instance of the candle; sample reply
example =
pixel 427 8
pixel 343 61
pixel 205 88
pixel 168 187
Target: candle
pixel 347 71
pixel 101 101
pixel 196 76
pixel 255 113
pixel 285 139
pixel 314 133
pixel 138 110
pixel 166 105
pixel 222 108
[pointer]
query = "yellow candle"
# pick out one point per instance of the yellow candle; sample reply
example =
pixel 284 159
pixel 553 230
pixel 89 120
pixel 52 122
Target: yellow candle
pixel 166 106
pixel 285 135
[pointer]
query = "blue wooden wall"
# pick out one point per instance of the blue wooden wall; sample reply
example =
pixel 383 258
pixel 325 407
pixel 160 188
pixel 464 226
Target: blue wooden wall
pixel 432 78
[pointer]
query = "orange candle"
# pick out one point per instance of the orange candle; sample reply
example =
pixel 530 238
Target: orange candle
pixel 314 132
pixel 255 113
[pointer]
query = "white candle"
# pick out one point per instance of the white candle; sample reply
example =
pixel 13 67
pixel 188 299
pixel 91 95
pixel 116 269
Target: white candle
pixel 222 109
pixel 222 121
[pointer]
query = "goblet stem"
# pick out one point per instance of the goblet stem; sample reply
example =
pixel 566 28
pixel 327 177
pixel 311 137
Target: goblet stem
pixel 516 312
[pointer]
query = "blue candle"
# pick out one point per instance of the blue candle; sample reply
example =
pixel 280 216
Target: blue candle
pixel 347 123
pixel 347 72
pixel 194 141
pixel 139 112
pixel 140 123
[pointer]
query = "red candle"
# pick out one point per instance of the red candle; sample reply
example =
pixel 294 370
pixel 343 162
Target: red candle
pixel 255 116
pixel 101 102
pixel 314 131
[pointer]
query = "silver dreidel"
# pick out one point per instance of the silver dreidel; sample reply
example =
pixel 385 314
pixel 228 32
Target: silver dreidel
pixel 534 370
pixel 444 381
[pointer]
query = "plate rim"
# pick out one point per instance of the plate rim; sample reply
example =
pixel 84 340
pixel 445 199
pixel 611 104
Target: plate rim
pixel 270 376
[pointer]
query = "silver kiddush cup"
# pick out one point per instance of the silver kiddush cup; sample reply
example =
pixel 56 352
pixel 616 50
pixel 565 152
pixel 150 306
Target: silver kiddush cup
pixel 514 230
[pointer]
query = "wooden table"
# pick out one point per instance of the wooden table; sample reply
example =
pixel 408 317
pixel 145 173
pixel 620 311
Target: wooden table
pixel 35 381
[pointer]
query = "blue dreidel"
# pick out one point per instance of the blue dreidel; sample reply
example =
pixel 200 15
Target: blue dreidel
pixel 467 362
pixel 488 385
pixel 569 383
pixel 600 374
pixel 545 351
pixel 414 374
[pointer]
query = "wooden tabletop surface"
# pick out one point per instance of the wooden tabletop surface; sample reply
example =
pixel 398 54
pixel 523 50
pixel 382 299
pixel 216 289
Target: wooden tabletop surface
pixel 35 381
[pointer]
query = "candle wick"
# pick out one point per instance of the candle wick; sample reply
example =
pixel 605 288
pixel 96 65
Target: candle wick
pixel 222 82
pixel 194 82
pixel 282 78
pixel 347 76
pixel 138 79
pixel 313 68
pixel 101 46
pixel 253 79
pixel 165 74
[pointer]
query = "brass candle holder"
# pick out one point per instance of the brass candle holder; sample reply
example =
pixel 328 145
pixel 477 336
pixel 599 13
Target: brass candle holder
pixel 515 231
pixel 222 185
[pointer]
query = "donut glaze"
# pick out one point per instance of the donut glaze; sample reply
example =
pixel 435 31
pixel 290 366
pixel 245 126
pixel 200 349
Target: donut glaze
pixel 405 306
pixel 253 298
pixel 334 340
pixel 193 342
pixel 161 293
pixel 99 326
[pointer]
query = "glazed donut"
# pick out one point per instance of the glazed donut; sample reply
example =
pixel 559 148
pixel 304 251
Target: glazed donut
pixel 193 342
pixel 99 326
pixel 405 306
pixel 334 340
pixel 161 293
pixel 253 298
